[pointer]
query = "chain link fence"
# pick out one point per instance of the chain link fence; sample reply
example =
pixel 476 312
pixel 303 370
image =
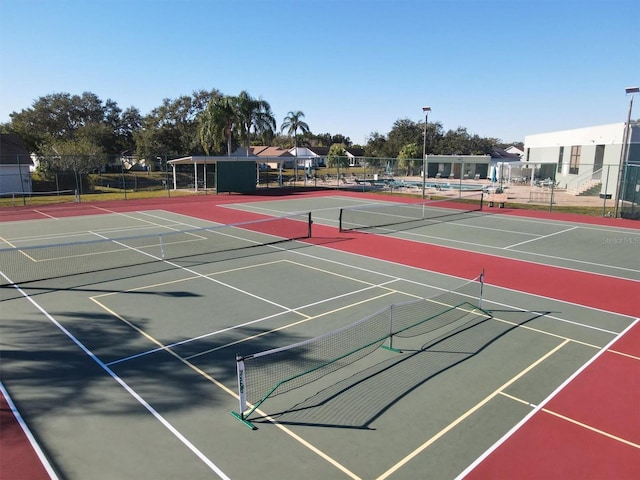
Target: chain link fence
pixel 66 179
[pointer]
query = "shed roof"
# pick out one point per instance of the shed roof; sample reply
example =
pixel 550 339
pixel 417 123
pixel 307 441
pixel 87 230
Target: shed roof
pixel 200 160
pixel 13 151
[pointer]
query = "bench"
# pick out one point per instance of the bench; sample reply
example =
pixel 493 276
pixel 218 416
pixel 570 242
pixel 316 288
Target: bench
pixel 499 198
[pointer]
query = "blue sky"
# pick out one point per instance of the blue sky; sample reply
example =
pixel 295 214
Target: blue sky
pixel 500 68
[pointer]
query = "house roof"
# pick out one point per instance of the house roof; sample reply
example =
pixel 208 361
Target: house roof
pixel 320 151
pixel 503 155
pixel 262 151
pixel 356 152
pixel 200 160
pixel 13 151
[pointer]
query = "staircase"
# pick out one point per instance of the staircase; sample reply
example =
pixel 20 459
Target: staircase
pixel 589 189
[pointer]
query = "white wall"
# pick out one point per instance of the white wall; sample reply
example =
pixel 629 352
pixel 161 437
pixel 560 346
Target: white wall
pixel 544 148
pixel 15 179
pixel 600 135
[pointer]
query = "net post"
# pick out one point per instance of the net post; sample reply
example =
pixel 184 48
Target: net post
pixel 481 289
pixel 340 221
pixel 310 223
pixel 242 393
pixel 390 346
pixel 161 247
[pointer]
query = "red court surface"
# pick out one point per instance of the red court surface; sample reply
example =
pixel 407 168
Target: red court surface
pixel 18 459
pixel 589 430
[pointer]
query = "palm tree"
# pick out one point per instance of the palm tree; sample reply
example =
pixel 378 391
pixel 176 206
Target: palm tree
pixel 253 113
pixel 217 123
pixel 293 122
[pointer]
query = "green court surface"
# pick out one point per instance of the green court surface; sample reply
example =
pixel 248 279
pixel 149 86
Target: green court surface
pixel 130 372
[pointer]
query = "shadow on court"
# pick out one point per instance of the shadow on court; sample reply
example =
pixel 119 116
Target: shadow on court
pixel 356 402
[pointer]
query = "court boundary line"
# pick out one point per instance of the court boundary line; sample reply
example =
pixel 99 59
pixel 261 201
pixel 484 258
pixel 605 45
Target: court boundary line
pixel 445 274
pixel 233 394
pixel 574 421
pixel 27 432
pixel 469 412
pixel 186 360
pixel 392 277
pixel 535 295
pixel 534 254
pixel 376 201
pixel 541 237
pixel 284 311
pixel 544 402
pixel 560 223
pixel 184 440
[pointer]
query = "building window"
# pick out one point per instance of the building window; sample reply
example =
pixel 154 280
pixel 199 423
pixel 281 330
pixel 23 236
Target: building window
pixel 560 155
pixel 574 163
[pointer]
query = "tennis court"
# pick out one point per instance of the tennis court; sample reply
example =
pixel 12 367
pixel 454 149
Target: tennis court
pixel 120 344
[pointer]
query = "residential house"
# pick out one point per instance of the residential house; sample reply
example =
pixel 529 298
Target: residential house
pixel 310 157
pixel 271 157
pixel 355 156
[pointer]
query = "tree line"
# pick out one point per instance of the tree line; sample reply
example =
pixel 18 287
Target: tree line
pixel 84 130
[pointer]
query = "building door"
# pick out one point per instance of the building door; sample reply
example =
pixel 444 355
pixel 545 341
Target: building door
pixel 597 163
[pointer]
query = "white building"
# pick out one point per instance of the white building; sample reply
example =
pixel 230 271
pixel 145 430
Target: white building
pixel 582 159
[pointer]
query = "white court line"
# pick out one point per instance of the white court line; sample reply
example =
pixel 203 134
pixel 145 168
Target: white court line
pixel 284 310
pixel 23 425
pixel 40 212
pixel 469 412
pixel 543 404
pixel 168 347
pixel 508 219
pixel 323 259
pixel 533 254
pixel 584 325
pixel 123 384
pixel 542 237
pixel 193 272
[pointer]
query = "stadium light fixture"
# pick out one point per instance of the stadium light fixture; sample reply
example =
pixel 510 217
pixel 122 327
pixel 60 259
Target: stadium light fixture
pixel 426 111
pixel 626 140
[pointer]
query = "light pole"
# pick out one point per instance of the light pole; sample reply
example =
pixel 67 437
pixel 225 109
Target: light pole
pixel 626 139
pixel 426 111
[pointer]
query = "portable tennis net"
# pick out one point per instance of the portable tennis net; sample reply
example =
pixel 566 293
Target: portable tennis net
pixel 39 262
pixel 280 370
pixel 377 215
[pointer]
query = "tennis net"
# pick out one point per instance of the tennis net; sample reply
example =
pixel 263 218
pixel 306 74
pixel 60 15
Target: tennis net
pixel 280 370
pixel 40 198
pixel 39 262
pixel 393 213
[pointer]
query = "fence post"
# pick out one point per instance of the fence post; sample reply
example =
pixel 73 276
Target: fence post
pixel 604 197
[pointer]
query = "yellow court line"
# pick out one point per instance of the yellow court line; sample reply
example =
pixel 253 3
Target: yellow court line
pixel 589 427
pixel 289 325
pixel 19 249
pixel 472 410
pixel 7 242
pixel 560 337
pixel 516 399
pixel 571 420
pixel 224 388
pixel 633 357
